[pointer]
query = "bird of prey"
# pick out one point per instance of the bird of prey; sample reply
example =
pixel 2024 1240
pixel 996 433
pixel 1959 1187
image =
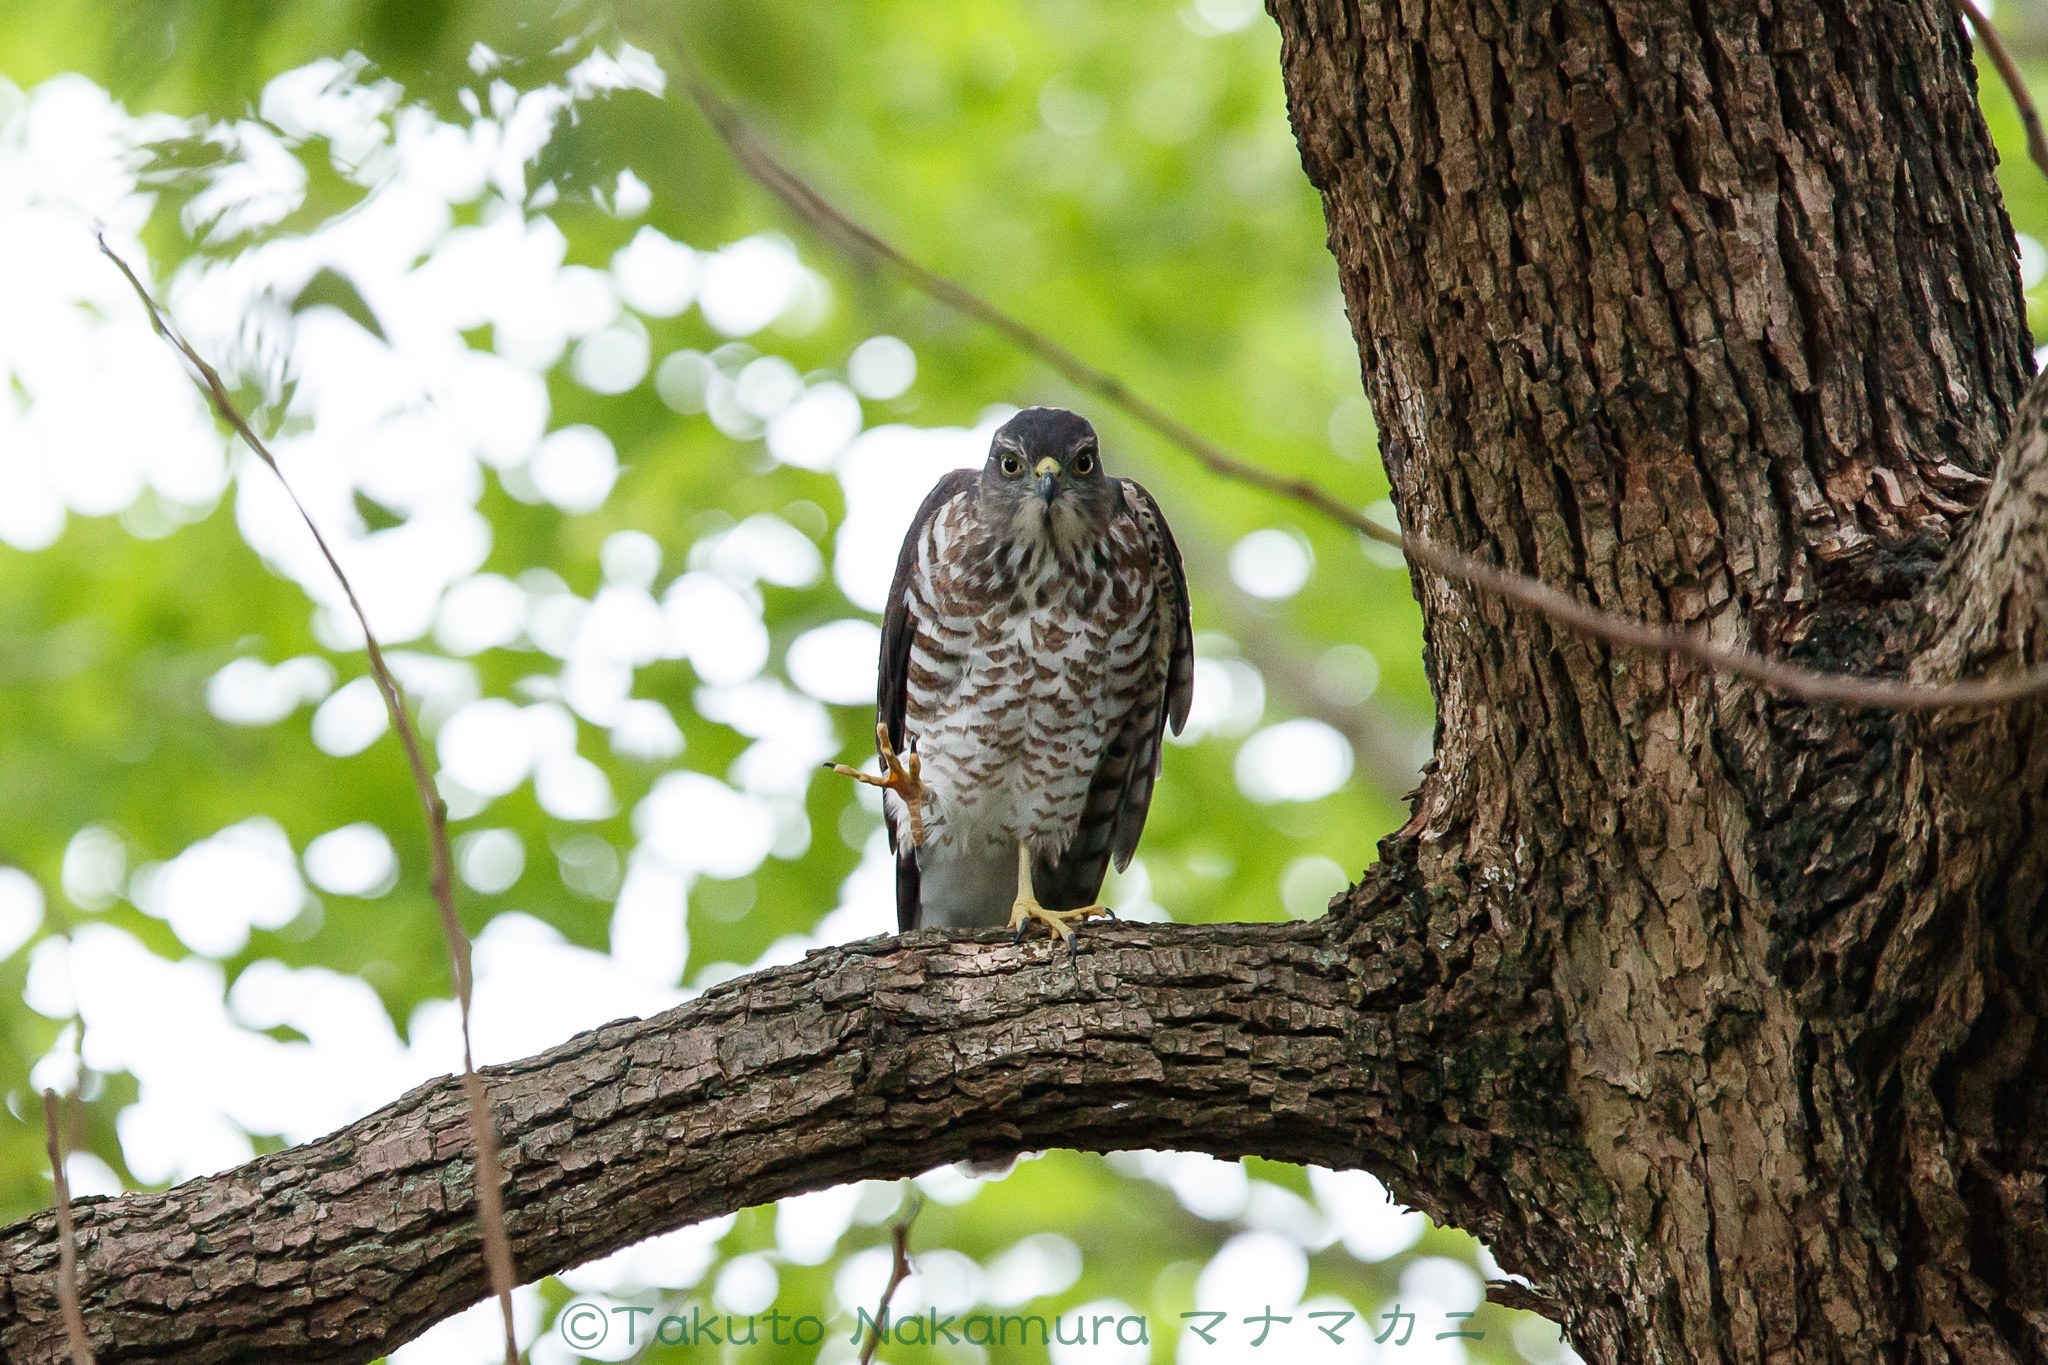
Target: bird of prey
pixel 1035 647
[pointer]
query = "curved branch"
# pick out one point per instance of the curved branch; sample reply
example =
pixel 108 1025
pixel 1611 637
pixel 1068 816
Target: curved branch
pixel 877 1060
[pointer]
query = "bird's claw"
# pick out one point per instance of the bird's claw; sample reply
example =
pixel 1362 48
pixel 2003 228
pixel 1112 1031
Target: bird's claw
pixel 899 774
pixel 1023 912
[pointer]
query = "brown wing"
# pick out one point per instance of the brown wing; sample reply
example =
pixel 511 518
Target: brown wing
pixel 1121 793
pixel 892 683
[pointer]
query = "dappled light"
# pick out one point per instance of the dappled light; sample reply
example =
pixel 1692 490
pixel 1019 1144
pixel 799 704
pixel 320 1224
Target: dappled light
pixel 619 463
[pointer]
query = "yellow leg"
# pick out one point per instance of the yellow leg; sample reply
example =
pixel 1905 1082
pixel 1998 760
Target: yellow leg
pixel 898 775
pixel 1026 908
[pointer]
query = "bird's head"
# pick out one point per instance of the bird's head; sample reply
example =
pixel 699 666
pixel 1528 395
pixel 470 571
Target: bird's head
pixel 1044 480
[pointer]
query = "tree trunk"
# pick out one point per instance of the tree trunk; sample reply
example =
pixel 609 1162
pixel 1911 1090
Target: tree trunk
pixel 1716 1014
pixel 1709 314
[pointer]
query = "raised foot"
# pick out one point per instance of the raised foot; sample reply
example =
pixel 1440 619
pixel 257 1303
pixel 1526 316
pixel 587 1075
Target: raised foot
pixel 899 775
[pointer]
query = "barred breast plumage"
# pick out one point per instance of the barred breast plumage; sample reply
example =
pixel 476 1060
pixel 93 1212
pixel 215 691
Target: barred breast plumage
pixel 1034 650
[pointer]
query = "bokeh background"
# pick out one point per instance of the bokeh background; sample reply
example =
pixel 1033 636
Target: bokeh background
pixel 618 454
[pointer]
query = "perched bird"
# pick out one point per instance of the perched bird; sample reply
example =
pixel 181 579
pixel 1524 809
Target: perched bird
pixel 1035 647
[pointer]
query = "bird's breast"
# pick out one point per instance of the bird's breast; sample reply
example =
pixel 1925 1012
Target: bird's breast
pixel 1021 670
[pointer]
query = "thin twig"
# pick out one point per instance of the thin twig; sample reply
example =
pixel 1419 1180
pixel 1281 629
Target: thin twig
pixel 899 1271
pixel 1561 607
pixel 67 1237
pixel 2009 72
pixel 1389 742
pixel 489 1171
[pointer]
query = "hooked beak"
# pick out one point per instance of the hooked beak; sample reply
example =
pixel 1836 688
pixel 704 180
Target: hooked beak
pixel 1047 470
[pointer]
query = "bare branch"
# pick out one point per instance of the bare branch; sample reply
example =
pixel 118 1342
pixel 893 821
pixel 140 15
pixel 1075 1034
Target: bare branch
pixel 1555 604
pixel 490 1215
pixel 67 1238
pixel 2009 72
pixel 899 1271
pixel 1389 740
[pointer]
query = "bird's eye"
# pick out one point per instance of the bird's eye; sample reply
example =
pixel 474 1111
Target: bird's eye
pixel 1084 463
pixel 1011 466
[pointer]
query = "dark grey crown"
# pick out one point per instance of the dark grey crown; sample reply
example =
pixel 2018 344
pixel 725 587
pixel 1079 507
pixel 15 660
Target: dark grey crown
pixel 1045 431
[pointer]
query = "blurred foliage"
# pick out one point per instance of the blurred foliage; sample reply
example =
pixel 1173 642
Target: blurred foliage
pixel 1165 232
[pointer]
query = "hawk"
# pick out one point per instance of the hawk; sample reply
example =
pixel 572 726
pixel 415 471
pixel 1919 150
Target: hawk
pixel 1035 647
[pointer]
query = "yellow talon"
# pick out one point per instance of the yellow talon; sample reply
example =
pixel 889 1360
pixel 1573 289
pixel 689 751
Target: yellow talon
pixel 1026 908
pixel 900 776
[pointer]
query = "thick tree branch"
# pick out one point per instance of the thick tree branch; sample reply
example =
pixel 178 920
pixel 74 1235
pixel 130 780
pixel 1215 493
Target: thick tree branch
pixel 1715 1014
pixel 881 1059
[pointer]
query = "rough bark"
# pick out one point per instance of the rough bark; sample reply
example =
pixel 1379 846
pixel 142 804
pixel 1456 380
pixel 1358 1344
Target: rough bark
pixel 1708 313
pixel 880 1060
pixel 1717 1015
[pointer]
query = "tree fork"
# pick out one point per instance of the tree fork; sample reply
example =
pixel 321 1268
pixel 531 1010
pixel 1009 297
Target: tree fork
pixel 1717 1014
pixel 1709 316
